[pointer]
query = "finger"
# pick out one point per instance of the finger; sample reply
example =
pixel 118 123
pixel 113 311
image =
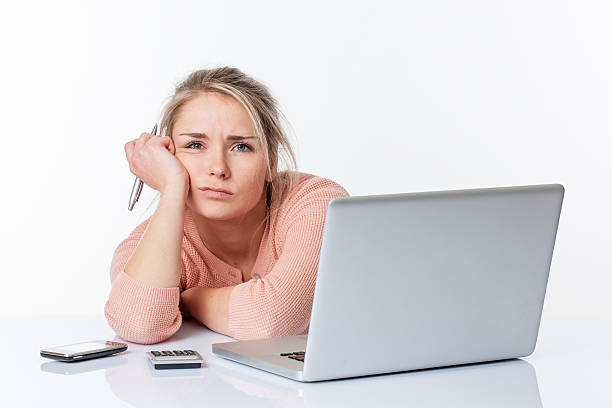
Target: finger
pixel 129 149
pixel 153 139
pixel 129 152
pixel 163 140
pixel 169 144
pixel 166 142
pixel 144 138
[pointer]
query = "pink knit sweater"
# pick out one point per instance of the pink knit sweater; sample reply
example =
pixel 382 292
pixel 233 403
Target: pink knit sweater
pixel 278 303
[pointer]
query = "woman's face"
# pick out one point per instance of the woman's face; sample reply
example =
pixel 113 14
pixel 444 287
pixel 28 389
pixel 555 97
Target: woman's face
pixel 215 140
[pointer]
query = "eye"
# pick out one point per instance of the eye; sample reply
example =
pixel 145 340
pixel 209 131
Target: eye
pixel 193 143
pixel 248 147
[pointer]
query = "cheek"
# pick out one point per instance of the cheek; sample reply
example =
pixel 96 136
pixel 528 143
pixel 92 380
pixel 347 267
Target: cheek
pixel 251 179
pixel 191 163
pixel 252 169
pixel 256 174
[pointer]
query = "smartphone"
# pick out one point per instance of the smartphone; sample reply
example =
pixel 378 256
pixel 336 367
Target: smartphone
pixel 83 351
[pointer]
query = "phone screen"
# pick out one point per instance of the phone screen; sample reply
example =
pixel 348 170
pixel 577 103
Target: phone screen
pixel 85 348
pixel 79 348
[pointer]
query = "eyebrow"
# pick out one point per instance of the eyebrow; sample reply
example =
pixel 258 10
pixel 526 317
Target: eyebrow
pixel 205 136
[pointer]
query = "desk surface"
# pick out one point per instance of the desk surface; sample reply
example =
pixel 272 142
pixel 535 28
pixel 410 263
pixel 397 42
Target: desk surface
pixel 570 367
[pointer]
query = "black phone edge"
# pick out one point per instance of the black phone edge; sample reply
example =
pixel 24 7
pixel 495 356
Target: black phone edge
pixel 84 356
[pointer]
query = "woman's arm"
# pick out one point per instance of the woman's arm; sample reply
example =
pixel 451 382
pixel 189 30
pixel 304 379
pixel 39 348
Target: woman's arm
pixel 156 261
pixel 280 303
pixel 143 305
pixel 209 306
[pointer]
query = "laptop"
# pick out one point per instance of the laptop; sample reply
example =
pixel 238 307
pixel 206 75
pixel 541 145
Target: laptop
pixel 420 280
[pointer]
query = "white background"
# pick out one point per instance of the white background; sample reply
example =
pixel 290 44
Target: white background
pixel 383 97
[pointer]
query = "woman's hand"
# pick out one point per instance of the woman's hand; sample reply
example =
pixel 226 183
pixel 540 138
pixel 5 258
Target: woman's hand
pixel 152 159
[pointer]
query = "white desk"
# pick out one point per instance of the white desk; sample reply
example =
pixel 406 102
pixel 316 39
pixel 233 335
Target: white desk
pixel 572 366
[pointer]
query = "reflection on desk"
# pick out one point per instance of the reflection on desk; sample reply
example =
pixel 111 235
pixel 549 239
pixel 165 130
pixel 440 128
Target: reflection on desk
pixel 572 363
pixel 80 367
pixel 509 383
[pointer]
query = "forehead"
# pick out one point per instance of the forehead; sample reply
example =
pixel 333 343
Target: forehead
pixel 209 111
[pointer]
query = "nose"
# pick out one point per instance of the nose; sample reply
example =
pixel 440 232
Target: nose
pixel 217 165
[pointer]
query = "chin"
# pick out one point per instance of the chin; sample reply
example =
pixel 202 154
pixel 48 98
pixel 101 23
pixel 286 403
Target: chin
pixel 216 216
pixel 214 211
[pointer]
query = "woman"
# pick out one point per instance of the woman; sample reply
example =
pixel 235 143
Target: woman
pixel 234 242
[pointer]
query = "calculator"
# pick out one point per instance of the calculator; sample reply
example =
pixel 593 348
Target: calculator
pixel 172 359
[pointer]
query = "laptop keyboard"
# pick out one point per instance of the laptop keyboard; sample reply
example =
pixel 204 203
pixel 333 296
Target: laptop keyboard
pixel 296 355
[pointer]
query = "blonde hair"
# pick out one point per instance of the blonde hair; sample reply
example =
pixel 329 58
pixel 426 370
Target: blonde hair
pixel 262 108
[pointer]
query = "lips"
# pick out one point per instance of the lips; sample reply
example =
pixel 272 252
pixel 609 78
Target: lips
pixel 219 190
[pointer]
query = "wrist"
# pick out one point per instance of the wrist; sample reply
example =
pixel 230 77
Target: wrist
pixel 174 189
pixel 173 198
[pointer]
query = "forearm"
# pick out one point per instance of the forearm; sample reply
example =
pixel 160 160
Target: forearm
pixel 156 260
pixel 208 305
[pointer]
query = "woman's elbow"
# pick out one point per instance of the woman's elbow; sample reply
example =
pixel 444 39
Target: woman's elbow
pixel 142 330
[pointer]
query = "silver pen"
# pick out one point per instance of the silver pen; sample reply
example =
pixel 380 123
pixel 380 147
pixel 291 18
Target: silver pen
pixel 137 188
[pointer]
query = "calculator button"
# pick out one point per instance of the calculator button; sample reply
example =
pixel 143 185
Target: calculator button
pixel 156 353
pixel 168 356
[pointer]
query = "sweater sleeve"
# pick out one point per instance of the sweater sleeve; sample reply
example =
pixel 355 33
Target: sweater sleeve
pixel 138 312
pixel 280 303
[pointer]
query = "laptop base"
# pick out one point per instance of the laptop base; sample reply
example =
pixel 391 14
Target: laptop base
pixel 265 354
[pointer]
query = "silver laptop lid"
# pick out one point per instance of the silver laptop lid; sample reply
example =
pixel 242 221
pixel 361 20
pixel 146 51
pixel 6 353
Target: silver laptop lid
pixel 409 281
